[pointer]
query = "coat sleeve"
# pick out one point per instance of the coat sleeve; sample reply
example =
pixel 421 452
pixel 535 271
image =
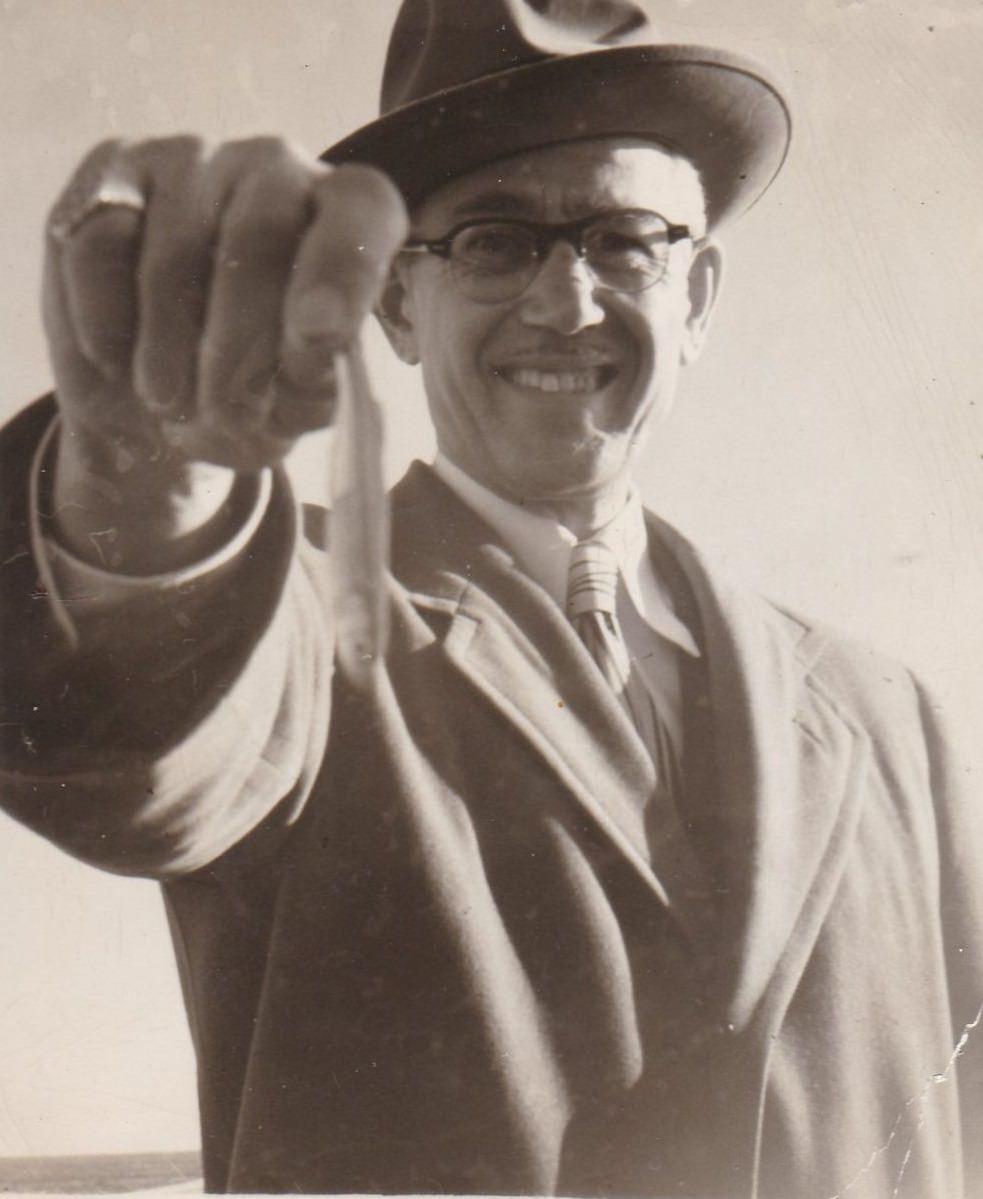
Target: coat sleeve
pixel 183 722
pixel 959 817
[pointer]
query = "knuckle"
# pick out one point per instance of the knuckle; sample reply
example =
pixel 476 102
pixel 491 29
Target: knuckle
pixel 270 147
pixel 266 155
pixel 266 184
pixel 103 155
pixel 268 205
pixel 178 147
pixel 81 183
pixel 364 182
pixel 166 162
pixel 166 169
pixel 364 212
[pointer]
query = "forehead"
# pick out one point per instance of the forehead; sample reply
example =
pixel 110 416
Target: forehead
pixel 569 180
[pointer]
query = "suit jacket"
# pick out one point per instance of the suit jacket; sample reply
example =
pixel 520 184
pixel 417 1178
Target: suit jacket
pixel 424 944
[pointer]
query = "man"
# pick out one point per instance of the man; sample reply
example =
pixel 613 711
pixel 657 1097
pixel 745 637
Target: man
pixel 614 880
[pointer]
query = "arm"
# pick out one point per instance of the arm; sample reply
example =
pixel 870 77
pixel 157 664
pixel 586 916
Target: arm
pixel 186 714
pixel 185 717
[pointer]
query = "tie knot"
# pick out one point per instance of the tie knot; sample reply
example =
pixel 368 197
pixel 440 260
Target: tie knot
pixel 592 583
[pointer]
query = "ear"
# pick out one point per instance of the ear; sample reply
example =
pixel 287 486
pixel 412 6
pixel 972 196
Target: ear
pixel 705 274
pixel 394 312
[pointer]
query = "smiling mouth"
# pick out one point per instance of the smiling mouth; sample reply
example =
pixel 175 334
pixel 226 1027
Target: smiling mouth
pixel 567 382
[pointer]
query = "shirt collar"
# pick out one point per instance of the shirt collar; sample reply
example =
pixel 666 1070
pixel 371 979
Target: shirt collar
pixel 542 546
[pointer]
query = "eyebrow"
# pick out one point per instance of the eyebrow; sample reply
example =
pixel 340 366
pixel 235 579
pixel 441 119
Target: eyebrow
pixel 495 203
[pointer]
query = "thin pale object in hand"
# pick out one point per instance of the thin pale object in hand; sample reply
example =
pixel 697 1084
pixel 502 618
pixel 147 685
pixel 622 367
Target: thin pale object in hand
pixel 359 543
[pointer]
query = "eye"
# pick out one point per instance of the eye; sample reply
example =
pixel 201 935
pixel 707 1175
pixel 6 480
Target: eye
pixel 492 248
pixel 626 246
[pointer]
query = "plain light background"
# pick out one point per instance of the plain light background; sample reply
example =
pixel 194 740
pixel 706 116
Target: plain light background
pixel 828 449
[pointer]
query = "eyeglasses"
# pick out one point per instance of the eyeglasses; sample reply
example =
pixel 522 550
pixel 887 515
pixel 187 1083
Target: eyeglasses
pixel 493 260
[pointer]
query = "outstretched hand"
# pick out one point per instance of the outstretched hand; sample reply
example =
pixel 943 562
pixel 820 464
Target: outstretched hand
pixel 201 319
pixel 194 300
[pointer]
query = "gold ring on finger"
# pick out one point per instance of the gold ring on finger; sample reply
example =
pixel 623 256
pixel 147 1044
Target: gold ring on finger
pixel 84 198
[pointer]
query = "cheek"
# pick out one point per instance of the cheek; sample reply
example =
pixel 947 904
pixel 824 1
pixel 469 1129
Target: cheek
pixel 457 389
pixel 453 342
pixel 658 334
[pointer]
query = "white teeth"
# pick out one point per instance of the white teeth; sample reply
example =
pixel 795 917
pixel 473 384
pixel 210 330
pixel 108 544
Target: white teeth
pixel 554 381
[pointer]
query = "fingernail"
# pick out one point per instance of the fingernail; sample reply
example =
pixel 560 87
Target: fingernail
pixel 110 354
pixel 163 386
pixel 321 315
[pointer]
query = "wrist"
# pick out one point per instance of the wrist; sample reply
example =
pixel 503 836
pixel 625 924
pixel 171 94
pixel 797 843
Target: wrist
pixel 137 509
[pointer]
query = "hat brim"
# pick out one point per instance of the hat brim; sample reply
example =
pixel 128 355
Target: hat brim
pixel 714 107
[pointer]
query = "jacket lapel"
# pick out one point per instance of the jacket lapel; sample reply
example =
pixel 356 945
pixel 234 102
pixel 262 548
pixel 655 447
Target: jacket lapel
pixel 789 764
pixel 522 655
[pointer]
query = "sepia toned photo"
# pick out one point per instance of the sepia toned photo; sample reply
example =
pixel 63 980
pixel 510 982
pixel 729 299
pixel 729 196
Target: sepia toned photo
pixel 491 590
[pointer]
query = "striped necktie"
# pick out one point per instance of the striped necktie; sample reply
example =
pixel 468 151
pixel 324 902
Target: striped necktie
pixel 592 591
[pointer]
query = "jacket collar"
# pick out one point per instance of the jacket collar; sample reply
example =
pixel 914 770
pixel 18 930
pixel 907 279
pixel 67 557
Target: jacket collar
pixel 788 759
pixel 542 547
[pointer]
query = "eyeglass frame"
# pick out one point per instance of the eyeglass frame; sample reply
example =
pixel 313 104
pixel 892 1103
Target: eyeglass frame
pixel 546 235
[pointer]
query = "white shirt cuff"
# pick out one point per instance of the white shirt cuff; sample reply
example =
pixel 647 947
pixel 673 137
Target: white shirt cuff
pixel 79 588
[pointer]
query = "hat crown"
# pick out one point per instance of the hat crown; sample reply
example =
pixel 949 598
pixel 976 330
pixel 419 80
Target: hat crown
pixel 470 82
pixel 440 44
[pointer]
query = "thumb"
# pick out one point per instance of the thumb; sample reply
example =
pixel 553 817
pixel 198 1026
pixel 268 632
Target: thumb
pixel 344 258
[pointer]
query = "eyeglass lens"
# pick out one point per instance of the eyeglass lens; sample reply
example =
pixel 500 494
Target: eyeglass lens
pixel 497 260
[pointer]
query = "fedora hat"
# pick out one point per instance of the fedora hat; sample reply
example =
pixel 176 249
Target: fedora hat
pixel 467 82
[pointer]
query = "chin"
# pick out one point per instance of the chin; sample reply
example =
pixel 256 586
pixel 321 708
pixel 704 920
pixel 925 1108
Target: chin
pixel 577 474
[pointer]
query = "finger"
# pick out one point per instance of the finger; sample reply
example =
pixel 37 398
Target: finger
pixel 262 226
pixel 359 225
pixel 83 315
pixel 99 268
pixel 77 381
pixel 184 203
pixel 298 410
pixel 73 204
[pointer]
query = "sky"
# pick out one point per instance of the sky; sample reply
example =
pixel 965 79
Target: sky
pixel 827 449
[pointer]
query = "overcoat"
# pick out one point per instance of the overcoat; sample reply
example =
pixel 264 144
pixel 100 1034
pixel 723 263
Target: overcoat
pixel 424 941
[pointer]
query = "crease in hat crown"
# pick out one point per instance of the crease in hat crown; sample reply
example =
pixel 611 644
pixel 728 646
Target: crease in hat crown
pixel 468 82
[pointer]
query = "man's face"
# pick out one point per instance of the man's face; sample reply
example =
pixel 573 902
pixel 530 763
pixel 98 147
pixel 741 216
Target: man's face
pixel 544 398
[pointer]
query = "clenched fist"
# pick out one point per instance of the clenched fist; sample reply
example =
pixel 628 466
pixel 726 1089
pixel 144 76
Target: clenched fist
pixel 193 308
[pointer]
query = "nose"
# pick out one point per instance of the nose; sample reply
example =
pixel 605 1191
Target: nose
pixel 562 297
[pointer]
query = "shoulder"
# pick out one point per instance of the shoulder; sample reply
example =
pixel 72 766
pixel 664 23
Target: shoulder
pixel 835 656
pixel 825 656
pixel 874 691
pixel 868 688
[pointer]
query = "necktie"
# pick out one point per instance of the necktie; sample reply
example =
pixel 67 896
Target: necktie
pixel 592 589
